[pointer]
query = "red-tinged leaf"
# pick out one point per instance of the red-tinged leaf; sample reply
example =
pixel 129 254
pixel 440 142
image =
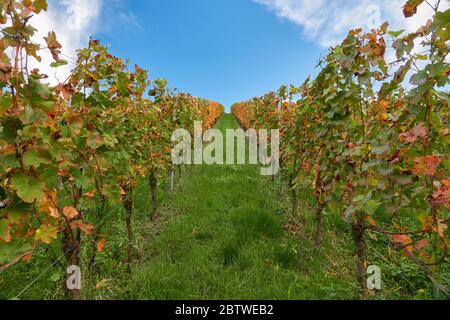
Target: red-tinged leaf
pixel 421 244
pixel 397 157
pixel 53 45
pixel 91 194
pixel 8 149
pixel 442 195
pixel 101 245
pixel 85 227
pixel 414 134
pixel 27 257
pixel 67 90
pixel 5 72
pixel 410 7
pixel 402 239
pixel 426 165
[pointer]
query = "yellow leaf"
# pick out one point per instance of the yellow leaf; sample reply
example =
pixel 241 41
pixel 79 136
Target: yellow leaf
pixel 54 212
pixel 47 204
pixel 440 228
pixel 46 234
pixel 371 221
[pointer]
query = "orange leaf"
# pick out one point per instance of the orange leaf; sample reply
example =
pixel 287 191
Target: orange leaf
pixel 90 195
pixel 402 239
pixel 410 7
pixel 67 90
pixel 383 105
pixel 426 165
pixel 70 212
pixel 101 245
pixel 8 149
pixel 27 257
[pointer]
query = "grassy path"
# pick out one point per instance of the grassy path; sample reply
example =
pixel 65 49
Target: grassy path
pixel 225 233
pixel 224 237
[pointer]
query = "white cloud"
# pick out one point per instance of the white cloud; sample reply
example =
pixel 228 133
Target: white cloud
pixel 73 21
pixel 327 22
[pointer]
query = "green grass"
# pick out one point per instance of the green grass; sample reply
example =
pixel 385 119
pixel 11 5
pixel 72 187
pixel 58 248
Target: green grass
pixel 225 233
pixel 224 238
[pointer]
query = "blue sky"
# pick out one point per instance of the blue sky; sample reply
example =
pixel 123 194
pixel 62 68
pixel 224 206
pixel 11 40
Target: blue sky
pixel 223 50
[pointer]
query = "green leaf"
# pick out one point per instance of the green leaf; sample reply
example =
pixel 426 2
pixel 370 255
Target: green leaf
pixel 421 57
pixel 4 230
pixel 40 95
pixel 371 206
pixel 5 104
pixel 348 213
pixel 161 83
pixel 58 63
pixel 380 149
pixel 395 34
pixel 371 164
pixel 443 95
pixel 439 69
pixel 28 188
pixel 359 198
pixel 419 78
pixel 32 158
pixel 40 5
pixel 10 251
pixel 442 21
pixel 55 277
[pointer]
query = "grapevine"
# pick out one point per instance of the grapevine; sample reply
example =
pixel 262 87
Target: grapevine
pixel 370 138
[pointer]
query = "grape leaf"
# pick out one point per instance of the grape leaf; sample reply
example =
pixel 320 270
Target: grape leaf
pixel 46 234
pixel 410 7
pixel 426 165
pixel 53 45
pixel 70 212
pixel 28 188
pixel 32 158
pixel 101 245
pixel 4 230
